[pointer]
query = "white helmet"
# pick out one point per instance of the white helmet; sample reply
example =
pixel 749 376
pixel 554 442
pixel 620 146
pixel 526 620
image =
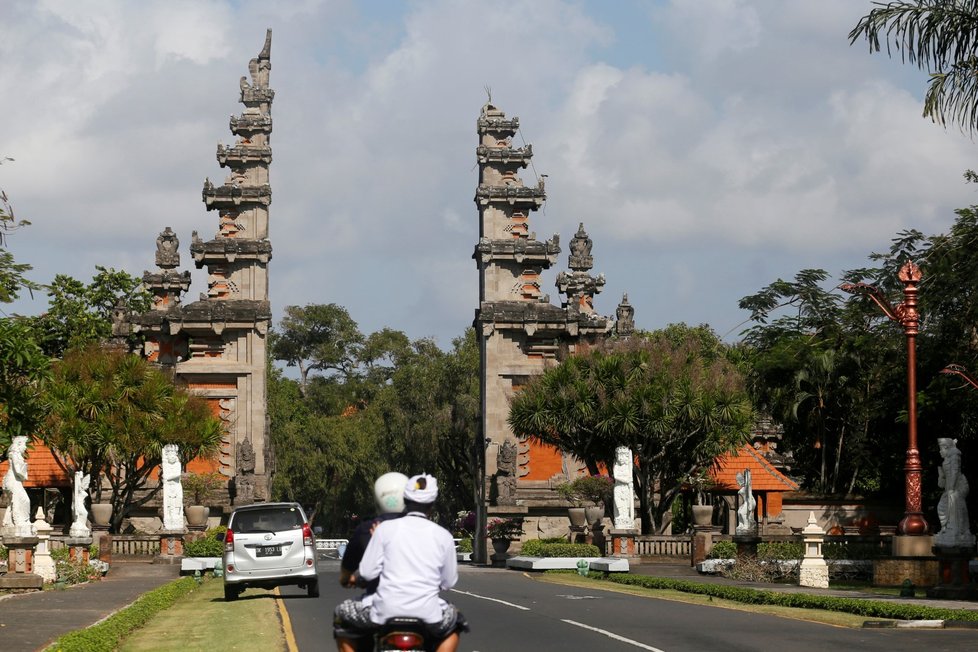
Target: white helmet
pixel 389 492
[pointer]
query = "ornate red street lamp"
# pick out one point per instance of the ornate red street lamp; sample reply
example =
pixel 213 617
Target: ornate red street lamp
pixel 958 370
pixel 906 315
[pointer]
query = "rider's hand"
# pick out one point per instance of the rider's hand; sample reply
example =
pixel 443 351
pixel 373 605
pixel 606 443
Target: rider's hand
pixel 351 581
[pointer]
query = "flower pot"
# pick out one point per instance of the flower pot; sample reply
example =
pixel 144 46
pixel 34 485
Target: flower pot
pixel 500 546
pixel 577 516
pixel 593 515
pixel 702 514
pixel 101 513
pixel 197 515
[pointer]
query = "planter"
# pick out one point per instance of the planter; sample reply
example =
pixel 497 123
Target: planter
pixel 101 513
pixel 593 515
pixel 500 546
pixel 577 516
pixel 702 514
pixel 197 515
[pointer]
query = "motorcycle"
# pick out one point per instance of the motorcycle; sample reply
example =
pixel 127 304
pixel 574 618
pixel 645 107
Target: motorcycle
pixel 409 635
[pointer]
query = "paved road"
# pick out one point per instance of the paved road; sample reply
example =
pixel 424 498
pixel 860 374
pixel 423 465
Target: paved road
pixel 511 612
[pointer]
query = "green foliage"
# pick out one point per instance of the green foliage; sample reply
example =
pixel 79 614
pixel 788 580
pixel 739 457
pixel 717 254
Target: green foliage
pixel 318 337
pixel 3 553
pixel 541 548
pixel 80 314
pixel 206 546
pixel 199 488
pixel 110 414
pixel 857 606
pixel 723 550
pixel 587 488
pixel 107 634
pixel 780 550
pixel 675 391
pixel 464 545
pixel 23 367
pixel 75 572
pixel 12 279
pixel 938 37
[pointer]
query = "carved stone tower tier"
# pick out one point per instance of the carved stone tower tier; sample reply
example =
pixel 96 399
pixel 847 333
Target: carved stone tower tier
pixel 217 345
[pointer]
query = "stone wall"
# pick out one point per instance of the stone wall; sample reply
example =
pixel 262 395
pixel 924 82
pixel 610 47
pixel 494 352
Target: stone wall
pixel 893 571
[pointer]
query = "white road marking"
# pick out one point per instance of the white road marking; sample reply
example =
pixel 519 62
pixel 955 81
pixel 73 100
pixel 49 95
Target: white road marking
pixel 613 635
pixel 483 597
pixel 577 597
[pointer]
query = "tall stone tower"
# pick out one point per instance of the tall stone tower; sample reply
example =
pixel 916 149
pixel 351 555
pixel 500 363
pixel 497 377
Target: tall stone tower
pixel 519 330
pixel 217 345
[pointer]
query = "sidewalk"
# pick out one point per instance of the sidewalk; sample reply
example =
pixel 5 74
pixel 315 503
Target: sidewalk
pixel 686 572
pixel 31 621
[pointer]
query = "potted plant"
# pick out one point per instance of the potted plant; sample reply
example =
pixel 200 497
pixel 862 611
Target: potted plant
pixel 198 488
pixel 703 508
pixel 502 531
pixel 588 495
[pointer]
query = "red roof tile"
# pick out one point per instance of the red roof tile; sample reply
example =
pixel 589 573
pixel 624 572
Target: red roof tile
pixel 764 477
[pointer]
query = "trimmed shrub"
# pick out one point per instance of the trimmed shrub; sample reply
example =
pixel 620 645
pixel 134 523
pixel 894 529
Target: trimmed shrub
pixel 723 550
pixel 464 545
pixel 207 545
pixel 780 550
pixel 539 548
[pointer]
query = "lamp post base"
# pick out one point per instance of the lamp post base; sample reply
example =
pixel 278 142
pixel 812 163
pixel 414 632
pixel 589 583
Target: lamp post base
pixel 913 524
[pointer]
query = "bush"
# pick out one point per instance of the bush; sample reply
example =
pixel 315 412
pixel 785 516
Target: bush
pixel 198 488
pixel 588 488
pixel 464 545
pixel 504 528
pixel 538 548
pixel 780 550
pixel 106 635
pixel 76 572
pixel 207 545
pixel 723 550
pixel 3 554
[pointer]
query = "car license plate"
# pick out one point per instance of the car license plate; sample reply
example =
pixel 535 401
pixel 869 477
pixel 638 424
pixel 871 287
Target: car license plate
pixel 268 551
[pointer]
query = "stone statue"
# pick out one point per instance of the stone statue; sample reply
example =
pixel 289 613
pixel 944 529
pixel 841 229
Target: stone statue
pixel 625 322
pixel 580 259
pixel 79 525
pixel 746 522
pixel 506 466
pixel 952 509
pixel 624 496
pixel 244 477
pixel 17 520
pixel 172 489
pixel 167 249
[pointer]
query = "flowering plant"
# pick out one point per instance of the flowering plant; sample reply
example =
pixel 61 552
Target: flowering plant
pixel 464 524
pixel 504 528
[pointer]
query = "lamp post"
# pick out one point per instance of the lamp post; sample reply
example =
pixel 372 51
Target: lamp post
pixel 913 523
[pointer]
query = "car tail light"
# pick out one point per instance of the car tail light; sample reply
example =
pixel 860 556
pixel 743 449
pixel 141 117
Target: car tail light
pixel 307 539
pixel 403 641
pixel 229 541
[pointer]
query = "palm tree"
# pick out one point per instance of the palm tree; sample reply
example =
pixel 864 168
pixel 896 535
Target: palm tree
pixel 939 36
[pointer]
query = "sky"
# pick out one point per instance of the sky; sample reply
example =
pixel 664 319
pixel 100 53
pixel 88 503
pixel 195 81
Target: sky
pixel 709 147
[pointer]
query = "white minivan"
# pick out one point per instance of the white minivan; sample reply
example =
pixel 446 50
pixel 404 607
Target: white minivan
pixel 269 545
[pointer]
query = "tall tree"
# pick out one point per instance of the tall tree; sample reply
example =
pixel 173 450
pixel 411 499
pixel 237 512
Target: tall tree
pixel 111 413
pixel 938 36
pixel 318 337
pixel 23 367
pixel 673 397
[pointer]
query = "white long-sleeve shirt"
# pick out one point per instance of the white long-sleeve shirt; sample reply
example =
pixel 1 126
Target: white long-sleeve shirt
pixel 414 559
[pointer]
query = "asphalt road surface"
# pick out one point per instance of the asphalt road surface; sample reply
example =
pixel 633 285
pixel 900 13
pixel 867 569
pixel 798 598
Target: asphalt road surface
pixel 512 612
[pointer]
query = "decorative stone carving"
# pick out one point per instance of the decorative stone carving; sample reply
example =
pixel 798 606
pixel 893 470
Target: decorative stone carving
pixel 244 478
pixel 167 245
pixel 952 509
pixel 506 469
pixel 17 519
pixel 746 521
pixel 43 562
pixel 814 572
pixel 625 313
pixel 580 251
pixel 624 494
pixel 172 489
pixel 79 525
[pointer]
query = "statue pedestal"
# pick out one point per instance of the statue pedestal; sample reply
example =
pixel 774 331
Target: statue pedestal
pixel 623 543
pixel 702 542
pixel 171 547
pixel 953 579
pixel 79 548
pixel 20 564
pixel 907 545
pixel 746 544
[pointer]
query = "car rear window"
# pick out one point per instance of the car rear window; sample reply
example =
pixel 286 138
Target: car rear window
pixel 272 519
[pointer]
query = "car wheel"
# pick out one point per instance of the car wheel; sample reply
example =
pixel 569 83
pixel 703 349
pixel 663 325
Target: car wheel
pixel 230 593
pixel 312 589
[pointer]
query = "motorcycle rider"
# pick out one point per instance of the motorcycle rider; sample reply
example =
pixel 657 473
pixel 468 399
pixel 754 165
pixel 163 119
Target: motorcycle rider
pixel 414 559
pixel 389 494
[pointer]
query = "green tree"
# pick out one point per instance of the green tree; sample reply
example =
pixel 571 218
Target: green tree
pixel 937 36
pixel 111 413
pixel 23 367
pixel 318 337
pixel 673 397
pixel 79 314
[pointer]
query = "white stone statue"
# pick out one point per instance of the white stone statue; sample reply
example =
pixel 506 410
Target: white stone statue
pixel 624 495
pixel 17 520
pixel 746 522
pixel 172 489
pixel 952 509
pixel 79 525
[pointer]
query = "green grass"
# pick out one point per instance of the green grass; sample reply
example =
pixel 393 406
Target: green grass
pixel 204 621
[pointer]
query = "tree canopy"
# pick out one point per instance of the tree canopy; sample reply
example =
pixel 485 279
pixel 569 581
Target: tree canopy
pixel 673 396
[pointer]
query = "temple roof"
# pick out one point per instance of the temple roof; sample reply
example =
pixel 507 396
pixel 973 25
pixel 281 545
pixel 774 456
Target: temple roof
pixel 248 124
pixel 504 155
pixel 232 195
pixel 243 153
pixel 519 249
pixel 764 477
pixel 228 249
pixel 534 196
pixel 235 313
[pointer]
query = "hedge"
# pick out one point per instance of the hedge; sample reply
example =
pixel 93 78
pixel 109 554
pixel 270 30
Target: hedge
pixel 856 606
pixel 538 548
pixel 106 635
